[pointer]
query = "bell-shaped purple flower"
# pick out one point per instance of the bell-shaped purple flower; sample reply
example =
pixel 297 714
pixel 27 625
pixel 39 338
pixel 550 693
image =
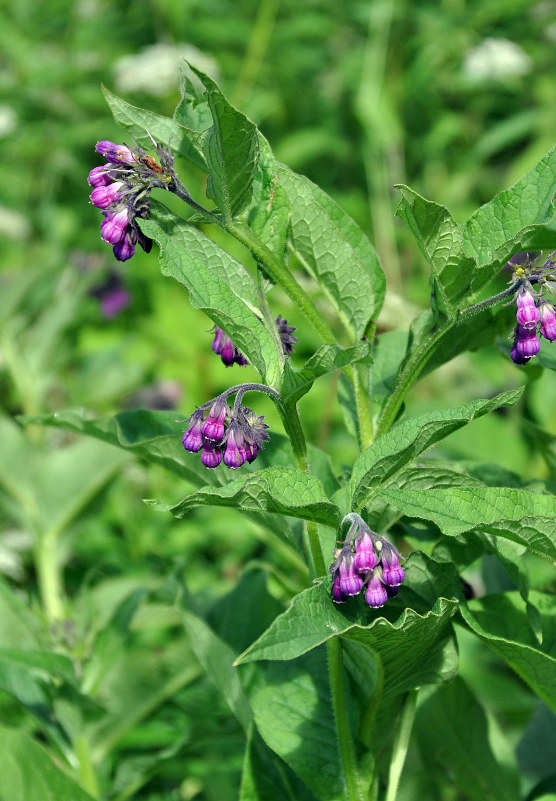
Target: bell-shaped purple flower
pixel 211 455
pixel 392 572
pixel 527 314
pixel 234 455
pixel 376 594
pixel 548 322
pixel 100 176
pixel 114 226
pixel 193 438
pixel 338 596
pixel 213 427
pixel 365 559
pixel 125 249
pixel 351 582
pixel 251 451
pixel 117 154
pixel 104 196
pixel 527 344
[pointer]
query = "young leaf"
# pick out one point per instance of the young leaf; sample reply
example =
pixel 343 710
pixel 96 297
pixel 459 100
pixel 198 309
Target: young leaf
pixel 441 242
pixel 281 490
pixel 231 148
pixel 192 112
pixel 506 224
pixel 514 514
pixel 29 773
pixel 218 285
pixel 327 359
pixel 408 439
pixel 335 251
pixel 139 121
pixel 452 730
pixel 502 622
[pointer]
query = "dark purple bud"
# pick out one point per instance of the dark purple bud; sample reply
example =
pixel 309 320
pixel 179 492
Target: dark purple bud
pixel 193 438
pixel 217 341
pixel 117 154
pixel 365 558
pixel 392 572
pixel 251 451
pixel 227 350
pixel 235 454
pixel 125 249
pixel 338 596
pixel 113 227
pixel 99 176
pixel 104 196
pixel 213 427
pixel 548 322
pixel 351 582
pixel 527 313
pixel 285 332
pixel 527 344
pixel 376 594
pixel 212 455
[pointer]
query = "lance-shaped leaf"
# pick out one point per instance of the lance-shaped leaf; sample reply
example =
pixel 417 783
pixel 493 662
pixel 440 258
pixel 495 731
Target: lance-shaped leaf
pixel 219 285
pixel 441 242
pixel 140 122
pixel 514 514
pixel 508 222
pixel 333 248
pixel 327 359
pixel 408 439
pixel 502 622
pixel 269 212
pixel 231 148
pixel 280 490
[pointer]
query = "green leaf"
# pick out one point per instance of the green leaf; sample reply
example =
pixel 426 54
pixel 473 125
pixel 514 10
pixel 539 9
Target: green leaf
pixel 508 222
pixel 514 514
pixel 231 148
pixel 269 212
pixel 192 111
pixel 163 129
pixel 328 358
pixel 388 354
pixel 217 284
pixel 452 730
pixel 408 439
pixel 294 716
pixel 266 777
pixel 280 490
pixel 28 773
pixel 441 242
pixel 335 251
pixel 502 622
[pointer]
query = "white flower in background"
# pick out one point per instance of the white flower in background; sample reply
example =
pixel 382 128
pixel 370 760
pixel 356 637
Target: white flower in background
pixel 155 69
pixel 8 120
pixel 496 59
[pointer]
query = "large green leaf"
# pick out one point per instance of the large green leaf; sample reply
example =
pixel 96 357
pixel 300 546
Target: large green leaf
pixel 335 251
pixel 231 148
pixel 514 514
pixel 408 439
pixel 328 358
pixel 266 777
pixel 218 285
pixel 29 774
pixel 269 212
pixel 502 622
pixel 139 121
pixel 452 730
pixel 508 222
pixel 440 239
pixel 280 490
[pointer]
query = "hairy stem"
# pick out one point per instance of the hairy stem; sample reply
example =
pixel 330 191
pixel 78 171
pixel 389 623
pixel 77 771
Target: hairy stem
pixel 401 744
pixel 49 578
pixel 345 741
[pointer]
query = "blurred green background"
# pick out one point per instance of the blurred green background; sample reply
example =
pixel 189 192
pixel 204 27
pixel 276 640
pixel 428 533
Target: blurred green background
pixel 454 98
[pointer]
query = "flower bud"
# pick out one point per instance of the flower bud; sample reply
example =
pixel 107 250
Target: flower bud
pixel 527 344
pixel 213 427
pixel 99 176
pixel 193 438
pixel 527 313
pixel 392 572
pixel 113 227
pixel 548 322
pixel 351 582
pixel 365 558
pixel 234 455
pixel 104 196
pixel 117 154
pixel 212 455
pixel 376 594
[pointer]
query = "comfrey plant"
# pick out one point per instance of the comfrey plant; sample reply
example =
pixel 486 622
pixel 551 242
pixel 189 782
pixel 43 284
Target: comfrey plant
pixel 365 653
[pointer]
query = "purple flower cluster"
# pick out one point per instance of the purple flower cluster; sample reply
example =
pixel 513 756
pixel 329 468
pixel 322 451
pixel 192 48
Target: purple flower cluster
pixel 223 346
pixel 225 435
pixel 121 189
pixel 365 560
pixel 532 310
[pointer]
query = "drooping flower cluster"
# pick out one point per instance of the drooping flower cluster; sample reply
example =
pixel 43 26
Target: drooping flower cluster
pixel 534 314
pixel 365 561
pixel 121 189
pixel 232 436
pixel 223 346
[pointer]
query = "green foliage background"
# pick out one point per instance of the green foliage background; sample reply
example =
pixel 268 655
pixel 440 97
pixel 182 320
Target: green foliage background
pixel 358 96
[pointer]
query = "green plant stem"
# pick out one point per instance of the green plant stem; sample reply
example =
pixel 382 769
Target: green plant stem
pixel 256 49
pixel 401 744
pixel 49 578
pixel 362 408
pixel 408 377
pixel 87 774
pixel 345 741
